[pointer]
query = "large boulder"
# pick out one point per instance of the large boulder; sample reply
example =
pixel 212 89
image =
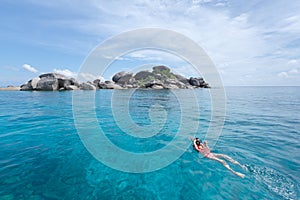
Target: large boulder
pixel 30 85
pixel 126 79
pixel 118 75
pixel 174 84
pixel 198 82
pixel 87 86
pixel 154 85
pixel 53 75
pixel 47 84
pixel 163 73
pixel 96 83
pixel 171 86
pixel 73 81
pixel 113 86
pixel 71 87
pixel 161 69
pixel 26 87
pixel 157 87
pixel 109 85
pixel 34 82
pixel 182 85
pixel 63 81
pixel 142 75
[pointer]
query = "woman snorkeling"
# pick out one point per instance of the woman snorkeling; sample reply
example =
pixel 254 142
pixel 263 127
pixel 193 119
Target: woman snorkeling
pixel 204 149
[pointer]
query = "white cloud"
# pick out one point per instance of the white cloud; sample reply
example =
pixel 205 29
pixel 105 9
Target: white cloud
pixel 65 72
pixel 291 24
pixel 283 74
pixel 110 57
pixel 221 4
pixel 201 1
pixel 293 62
pixel 152 55
pixel 289 73
pixel 29 68
pixel 293 71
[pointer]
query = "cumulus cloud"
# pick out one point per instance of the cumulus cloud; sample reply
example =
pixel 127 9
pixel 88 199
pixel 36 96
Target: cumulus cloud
pixel 293 71
pixel 201 1
pixel 152 55
pixel 65 72
pixel 283 74
pixel 30 68
pixel 288 73
pixel 293 62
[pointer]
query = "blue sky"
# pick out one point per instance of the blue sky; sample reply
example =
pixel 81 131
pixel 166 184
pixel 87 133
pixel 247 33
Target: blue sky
pixel 250 42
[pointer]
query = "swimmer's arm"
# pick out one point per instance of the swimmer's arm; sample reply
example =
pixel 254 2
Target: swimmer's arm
pixel 205 144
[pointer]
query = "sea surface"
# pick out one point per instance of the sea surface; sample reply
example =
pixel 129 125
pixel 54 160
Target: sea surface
pixel 42 155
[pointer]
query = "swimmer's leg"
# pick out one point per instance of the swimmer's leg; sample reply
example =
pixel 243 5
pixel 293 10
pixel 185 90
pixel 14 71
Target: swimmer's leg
pixel 230 160
pixel 226 166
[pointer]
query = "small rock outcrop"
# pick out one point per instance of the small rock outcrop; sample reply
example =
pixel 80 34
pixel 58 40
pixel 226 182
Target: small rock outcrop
pixel 198 82
pixel 50 82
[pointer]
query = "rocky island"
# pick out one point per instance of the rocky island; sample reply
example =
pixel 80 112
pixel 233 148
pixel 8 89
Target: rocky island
pixel 160 77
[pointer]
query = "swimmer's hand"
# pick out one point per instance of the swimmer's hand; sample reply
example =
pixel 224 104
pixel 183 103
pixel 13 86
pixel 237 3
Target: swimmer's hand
pixel 205 144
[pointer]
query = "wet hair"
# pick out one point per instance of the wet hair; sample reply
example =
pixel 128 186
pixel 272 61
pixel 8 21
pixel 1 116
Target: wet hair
pixel 197 139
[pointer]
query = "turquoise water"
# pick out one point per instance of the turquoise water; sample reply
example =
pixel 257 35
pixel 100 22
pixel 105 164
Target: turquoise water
pixel 42 156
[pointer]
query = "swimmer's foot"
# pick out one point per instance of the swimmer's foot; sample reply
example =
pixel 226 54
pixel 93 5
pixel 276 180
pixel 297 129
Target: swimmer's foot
pixel 240 174
pixel 244 167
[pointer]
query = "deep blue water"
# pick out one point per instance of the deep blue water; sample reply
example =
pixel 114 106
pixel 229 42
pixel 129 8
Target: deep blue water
pixel 42 156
